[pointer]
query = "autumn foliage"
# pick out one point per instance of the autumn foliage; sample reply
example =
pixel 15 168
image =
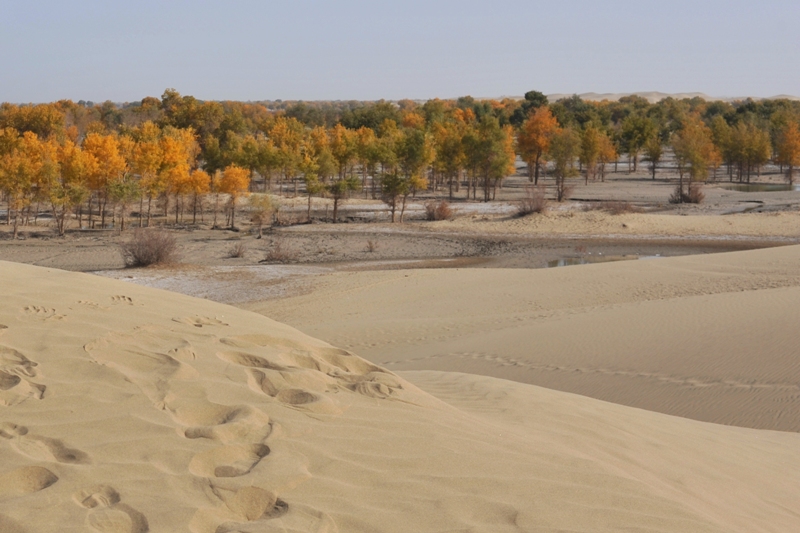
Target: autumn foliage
pixel 174 158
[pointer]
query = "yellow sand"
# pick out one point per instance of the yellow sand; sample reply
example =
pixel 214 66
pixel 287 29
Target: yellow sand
pixel 710 337
pixel 127 409
pixel 783 224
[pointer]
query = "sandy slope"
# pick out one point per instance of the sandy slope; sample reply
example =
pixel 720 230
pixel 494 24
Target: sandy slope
pixel 710 337
pixel 127 409
pixel 785 225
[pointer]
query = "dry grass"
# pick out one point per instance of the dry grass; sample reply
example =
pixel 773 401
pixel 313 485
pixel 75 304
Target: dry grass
pixel 150 247
pixel 438 211
pixel 279 253
pixel 534 200
pixel 237 250
pixel 371 246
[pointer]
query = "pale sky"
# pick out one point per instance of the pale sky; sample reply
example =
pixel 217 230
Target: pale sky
pixel 368 50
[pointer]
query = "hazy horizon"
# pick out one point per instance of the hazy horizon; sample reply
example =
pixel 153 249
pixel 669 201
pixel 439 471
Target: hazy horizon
pixel 357 50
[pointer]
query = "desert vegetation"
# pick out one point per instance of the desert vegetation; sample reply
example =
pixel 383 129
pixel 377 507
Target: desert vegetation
pixel 184 161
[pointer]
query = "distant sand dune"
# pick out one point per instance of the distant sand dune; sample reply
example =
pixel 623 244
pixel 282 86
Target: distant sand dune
pixel 161 412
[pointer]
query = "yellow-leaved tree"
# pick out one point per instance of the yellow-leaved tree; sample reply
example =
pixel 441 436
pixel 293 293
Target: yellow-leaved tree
pixel 147 159
pixel 70 189
pixel 788 148
pixel 110 165
pixel 235 182
pixel 198 185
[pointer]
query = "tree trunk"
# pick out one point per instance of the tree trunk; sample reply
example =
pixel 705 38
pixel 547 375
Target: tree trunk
pixel 91 197
pixel 403 208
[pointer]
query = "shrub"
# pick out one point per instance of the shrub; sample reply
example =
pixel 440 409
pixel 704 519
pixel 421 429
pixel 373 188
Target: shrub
pixel 237 250
pixel 534 200
pixel 278 253
pixel 438 211
pixel 150 247
pixel 693 195
pixel 696 194
pixel 371 246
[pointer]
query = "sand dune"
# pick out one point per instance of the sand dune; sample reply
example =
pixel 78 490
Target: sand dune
pixel 707 337
pixel 127 409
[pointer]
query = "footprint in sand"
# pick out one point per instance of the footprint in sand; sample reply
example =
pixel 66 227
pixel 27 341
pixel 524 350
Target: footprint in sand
pixel 91 304
pixel 107 514
pixel 199 321
pixel 3 327
pixel 14 369
pixel 290 387
pixel 249 360
pixel 40 448
pixel 236 508
pixel 136 356
pixel 378 385
pixel 41 313
pixel 122 300
pixel 230 425
pixel 228 461
pixel 25 480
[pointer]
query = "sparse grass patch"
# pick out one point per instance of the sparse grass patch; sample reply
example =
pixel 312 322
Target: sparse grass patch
pixel 148 247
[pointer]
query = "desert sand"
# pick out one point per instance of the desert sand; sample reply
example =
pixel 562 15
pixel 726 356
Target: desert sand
pixel 129 409
pixel 710 337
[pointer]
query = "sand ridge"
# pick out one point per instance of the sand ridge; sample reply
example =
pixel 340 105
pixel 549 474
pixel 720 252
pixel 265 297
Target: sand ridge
pixel 160 412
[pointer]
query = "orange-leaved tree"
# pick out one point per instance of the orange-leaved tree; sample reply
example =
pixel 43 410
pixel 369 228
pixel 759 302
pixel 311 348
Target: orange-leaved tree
pixel 533 139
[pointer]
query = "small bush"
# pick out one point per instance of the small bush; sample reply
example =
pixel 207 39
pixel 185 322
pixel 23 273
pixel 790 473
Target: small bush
pixel 534 200
pixel 237 250
pixel 693 195
pixel 278 253
pixel 150 247
pixel 371 246
pixel 438 211
pixel 696 194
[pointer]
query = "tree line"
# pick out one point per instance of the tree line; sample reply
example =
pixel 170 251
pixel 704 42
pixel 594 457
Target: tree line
pixel 177 154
